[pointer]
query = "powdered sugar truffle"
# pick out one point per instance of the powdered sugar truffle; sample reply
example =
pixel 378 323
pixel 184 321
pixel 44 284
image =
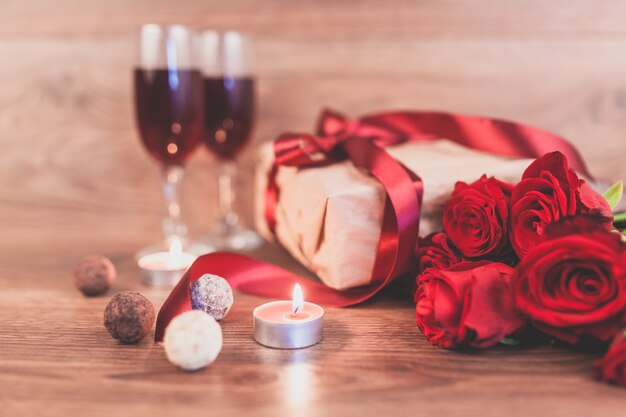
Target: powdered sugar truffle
pixel 192 340
pixel 213 295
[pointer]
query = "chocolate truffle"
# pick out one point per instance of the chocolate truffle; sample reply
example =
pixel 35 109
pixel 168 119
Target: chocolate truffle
pixel 94 275
pixel 213 295
pixel 129 316
pixel 192 340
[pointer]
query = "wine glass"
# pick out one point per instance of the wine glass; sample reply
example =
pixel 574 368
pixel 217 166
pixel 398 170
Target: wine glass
pixel 169 109
pixel 228 117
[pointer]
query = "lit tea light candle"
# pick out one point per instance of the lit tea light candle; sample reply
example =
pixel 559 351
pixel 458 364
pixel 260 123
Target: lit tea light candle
pixel 165 268
pixel 289 324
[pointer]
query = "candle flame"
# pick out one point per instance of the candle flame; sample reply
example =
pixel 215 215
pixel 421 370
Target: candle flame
pixel 175 255
pixel 298 300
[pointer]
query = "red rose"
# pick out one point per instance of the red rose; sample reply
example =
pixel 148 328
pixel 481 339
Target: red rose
pixel 436 251
pixel 574 281
pixel 476 218
pixel 548 192
pixel 470 304
pixel 612 368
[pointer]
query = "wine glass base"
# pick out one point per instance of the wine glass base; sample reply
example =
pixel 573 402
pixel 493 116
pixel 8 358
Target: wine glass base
pixel 237 239
pixel 199 248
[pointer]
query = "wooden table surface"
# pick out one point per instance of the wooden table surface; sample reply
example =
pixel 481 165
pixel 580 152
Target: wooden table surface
pixel 57 359
pixel 75 180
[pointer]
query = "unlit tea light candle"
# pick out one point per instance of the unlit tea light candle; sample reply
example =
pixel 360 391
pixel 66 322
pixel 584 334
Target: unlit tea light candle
pixel 165 268
pixel 289 324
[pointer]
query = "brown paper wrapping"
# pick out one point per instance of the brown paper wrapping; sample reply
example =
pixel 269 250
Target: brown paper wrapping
pixel 329 218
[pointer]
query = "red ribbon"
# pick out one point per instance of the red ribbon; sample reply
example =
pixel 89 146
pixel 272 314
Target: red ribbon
pixel 362 141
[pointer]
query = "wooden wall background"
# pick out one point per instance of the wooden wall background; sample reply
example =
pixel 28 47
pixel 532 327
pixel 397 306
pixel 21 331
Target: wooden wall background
pixel 71 164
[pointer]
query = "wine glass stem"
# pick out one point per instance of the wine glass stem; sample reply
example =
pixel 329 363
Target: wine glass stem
pixel 173 227
pixel 228 219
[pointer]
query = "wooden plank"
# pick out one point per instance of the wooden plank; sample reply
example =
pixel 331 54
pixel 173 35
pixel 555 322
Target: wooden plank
pixel 57 359
pixel 72 160
pixel 325 19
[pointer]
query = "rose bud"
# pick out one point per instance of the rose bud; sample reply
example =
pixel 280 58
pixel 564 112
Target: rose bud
pixel 476 218
pixel 612 367
pixel 436 251
pixel 469 304
pixel 574 281
pixel 548 192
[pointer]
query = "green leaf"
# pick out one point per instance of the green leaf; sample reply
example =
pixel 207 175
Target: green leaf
pixel 510 341
pixel 614 194
pixel 619 217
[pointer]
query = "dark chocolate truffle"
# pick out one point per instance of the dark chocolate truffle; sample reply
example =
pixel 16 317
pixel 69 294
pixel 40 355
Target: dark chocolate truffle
pixel 94 275
pixel 129 316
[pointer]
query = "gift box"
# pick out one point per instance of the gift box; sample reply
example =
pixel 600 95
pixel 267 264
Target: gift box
pixel 329 218
pixel 350 201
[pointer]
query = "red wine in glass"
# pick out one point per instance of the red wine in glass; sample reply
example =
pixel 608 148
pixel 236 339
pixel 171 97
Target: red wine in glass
pixel 229 98
pixel 228 114
pixel 169 112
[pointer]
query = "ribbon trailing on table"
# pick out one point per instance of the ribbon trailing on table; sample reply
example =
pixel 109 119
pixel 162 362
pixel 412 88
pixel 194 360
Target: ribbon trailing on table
pixel 363 142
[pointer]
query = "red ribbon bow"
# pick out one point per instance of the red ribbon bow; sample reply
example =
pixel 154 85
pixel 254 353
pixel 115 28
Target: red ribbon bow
pixel 362 141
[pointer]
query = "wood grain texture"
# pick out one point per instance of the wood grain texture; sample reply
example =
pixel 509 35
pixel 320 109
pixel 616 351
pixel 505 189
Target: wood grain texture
pixel 71 152
pixel 56 359
pixel 75 180
pixel 325 19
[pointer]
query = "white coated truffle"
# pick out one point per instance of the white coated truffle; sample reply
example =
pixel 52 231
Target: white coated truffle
pixel 213 295
pixel 192 340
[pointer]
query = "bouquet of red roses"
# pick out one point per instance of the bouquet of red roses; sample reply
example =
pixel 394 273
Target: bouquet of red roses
pixel 541 253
